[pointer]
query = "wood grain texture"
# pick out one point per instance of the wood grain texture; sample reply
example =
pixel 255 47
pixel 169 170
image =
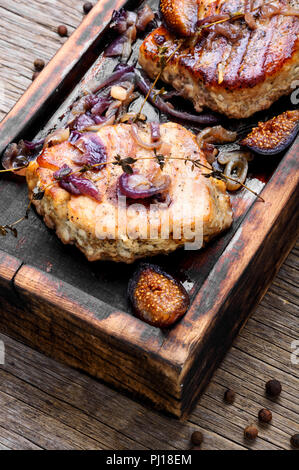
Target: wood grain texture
pixel 222 425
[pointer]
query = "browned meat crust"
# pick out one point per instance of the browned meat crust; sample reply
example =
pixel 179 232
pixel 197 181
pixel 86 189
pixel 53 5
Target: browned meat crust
pixel 235 77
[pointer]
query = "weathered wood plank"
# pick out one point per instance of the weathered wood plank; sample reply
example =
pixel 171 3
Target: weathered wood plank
pixel 10 440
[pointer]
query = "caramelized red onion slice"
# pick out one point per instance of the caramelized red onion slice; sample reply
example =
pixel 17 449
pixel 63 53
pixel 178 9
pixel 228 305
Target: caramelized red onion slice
pixel 116 47
pixel 216 135
pixel 76 184
pixel 119 21
pixel 81 122
pixel 139 141
pixel 101 104
pixel 74 135
pixel 126 24
pixel 12 160
pixel 93 150
pixel 79 185
pixel 130 38
pixel 137 186
pixel 130 116
pixel 103 121
pixel 144 16
pixel 33 145
pixel 227 30
pixel 210 152
pixel 236 168
pixel 122 73
pixel 144 86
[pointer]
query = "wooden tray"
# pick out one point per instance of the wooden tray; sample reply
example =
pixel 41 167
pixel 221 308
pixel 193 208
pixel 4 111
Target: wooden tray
pixel 55 301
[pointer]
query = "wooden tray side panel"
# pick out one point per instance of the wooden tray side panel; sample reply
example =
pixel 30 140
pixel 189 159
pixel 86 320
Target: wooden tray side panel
pixel 242 299
pixel 242 276
pixel 70 326
pixel 88 334
pixel 9 266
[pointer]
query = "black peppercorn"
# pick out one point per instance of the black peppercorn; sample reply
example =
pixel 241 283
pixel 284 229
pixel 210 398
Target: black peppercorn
pixel 273 388
pixel 35 75
pixel 196 438
pixel 265 415
pixel 87 7
pixel 39 64
pixel 62 30
pixel 229 396
pixel 295 441
pixel 250 432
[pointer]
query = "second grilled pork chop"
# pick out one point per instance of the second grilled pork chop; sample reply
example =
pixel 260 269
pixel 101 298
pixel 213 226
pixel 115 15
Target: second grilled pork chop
pixel 233 69
pixel 103 229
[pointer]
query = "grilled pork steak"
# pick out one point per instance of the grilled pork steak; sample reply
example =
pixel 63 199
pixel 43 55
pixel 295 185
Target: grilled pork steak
pixel 103 229
pixel 230 67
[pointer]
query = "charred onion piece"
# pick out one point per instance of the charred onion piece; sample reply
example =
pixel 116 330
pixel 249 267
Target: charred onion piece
pixel 210 151
pixel 156 297
pixel 19 156
pixel 180 16
pixel 58 136
pixel 121 73
pixel 137 186
pixel 93 150
pixel 274 136
pixel 216 135
pixel 155 131
pixel 144 16
pixel 153 145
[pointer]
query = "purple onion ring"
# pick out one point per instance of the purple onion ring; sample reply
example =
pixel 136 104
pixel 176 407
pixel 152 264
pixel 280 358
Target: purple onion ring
pixel 122 72
pixel 128 185
pixel 206 119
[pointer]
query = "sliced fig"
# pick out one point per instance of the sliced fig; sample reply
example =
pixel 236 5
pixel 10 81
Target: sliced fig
pixel 180 16
pixel 156 297
pixel 274 136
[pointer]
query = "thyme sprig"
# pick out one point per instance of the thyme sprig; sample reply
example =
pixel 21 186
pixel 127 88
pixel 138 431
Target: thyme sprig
pixel 163 62
pixel 127 162
pixel 4 229
pixel 126 165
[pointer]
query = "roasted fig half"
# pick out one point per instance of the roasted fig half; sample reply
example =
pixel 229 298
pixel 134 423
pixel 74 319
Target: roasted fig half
pixel 156 297
pixel 180 16
pixel 274 136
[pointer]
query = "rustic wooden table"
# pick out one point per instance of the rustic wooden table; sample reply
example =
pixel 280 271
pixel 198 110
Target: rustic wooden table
pixel 45 405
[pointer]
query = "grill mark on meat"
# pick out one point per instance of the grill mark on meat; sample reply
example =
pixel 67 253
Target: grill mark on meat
pixel 238 53
pixel 252 69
